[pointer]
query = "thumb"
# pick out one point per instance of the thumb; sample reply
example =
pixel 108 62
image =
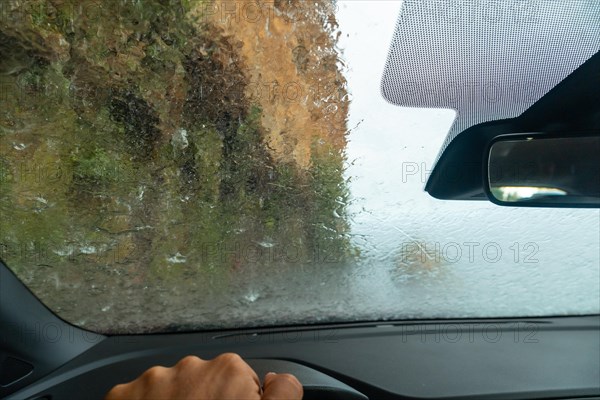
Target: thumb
pixel 282 387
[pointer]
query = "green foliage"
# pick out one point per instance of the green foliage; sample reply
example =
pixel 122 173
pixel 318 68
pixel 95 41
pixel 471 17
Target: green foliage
pixel 207 150
pixel 246 162
pixel 108 116
pixel 329 199
pixel 96 167
pixel 139 122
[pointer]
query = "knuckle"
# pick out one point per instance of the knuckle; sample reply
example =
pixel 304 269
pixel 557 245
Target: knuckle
pixel 188 361
pixel 154 374
pixel 230 358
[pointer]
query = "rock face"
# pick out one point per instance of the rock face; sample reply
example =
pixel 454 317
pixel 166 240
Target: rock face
pixel 292 67
pixel 140 136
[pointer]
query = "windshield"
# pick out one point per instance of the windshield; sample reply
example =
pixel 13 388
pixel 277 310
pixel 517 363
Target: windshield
pixel 188 165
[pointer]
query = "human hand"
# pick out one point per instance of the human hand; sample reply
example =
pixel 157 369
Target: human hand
pixel 225 377
pixel 282 387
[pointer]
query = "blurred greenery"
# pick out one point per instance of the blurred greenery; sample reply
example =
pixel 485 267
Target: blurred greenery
pixel 150 168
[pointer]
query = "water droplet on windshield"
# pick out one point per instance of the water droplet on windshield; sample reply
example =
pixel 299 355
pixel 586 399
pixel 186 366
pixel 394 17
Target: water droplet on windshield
pixel 178 258
pixel 267 243
pixel 251 297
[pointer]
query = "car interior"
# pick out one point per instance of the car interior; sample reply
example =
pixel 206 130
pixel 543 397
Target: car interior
pixel 541 356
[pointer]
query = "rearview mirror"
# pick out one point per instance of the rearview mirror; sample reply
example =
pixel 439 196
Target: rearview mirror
pixel 542 170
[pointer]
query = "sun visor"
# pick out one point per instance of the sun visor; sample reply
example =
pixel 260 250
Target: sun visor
pixel 488 59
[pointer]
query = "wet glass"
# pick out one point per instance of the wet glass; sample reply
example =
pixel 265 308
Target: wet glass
pixel 190 165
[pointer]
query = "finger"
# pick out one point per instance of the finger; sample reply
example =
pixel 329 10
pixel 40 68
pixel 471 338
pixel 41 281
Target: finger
pixel 235 366
pixel 187 373
pixel 282 387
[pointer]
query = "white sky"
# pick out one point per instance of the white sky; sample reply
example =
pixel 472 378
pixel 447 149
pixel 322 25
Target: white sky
pixel 393 147
pixel 391 208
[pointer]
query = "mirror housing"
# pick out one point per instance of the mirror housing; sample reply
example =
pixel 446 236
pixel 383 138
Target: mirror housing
pixel 543 170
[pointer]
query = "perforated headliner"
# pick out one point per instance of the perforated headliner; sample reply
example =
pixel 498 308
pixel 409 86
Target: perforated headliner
pixel 486 59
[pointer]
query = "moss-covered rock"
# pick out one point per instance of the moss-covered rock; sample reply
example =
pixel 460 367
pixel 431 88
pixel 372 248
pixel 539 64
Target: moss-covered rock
pixel 132 150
